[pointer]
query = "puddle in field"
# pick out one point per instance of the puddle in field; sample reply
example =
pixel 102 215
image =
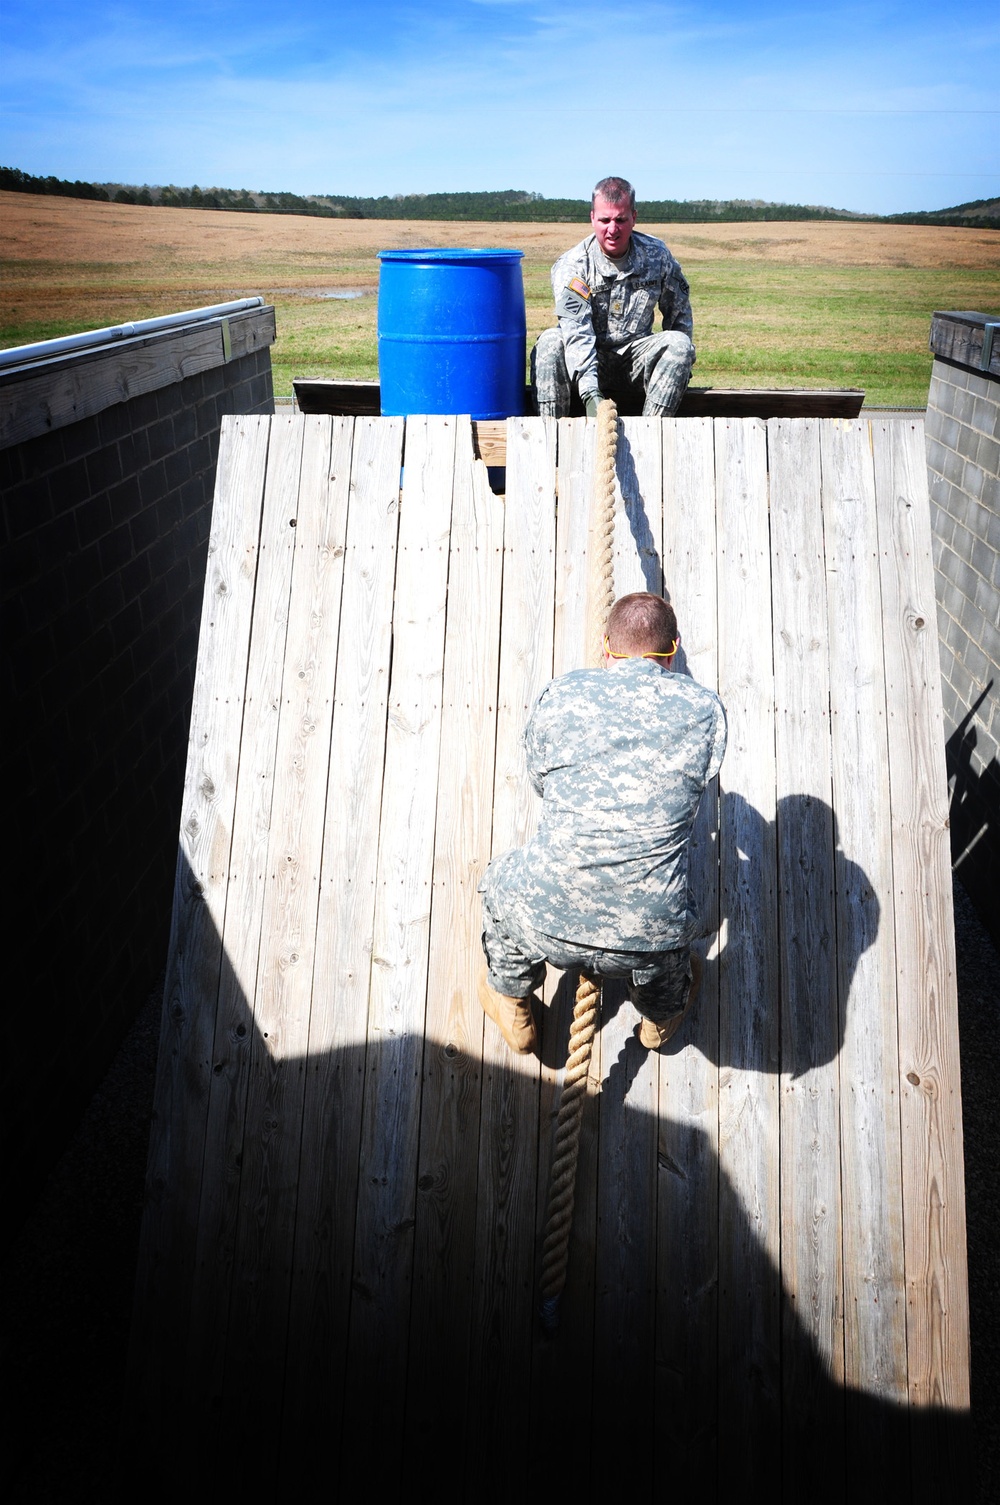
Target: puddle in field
pixel 297 292
pixel 327 292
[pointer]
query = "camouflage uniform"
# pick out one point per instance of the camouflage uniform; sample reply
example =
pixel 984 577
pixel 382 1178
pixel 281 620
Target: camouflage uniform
pixel 620 757
pixel 605 338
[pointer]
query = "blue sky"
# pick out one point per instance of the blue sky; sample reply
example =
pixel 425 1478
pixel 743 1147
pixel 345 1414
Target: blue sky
pixel 874 107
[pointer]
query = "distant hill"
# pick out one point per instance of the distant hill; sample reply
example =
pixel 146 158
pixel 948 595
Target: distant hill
pixel 983 214
pixel 509 204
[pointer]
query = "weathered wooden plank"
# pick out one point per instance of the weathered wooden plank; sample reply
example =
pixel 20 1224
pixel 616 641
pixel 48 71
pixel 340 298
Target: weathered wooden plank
pixel 41 398
pixel 489 437
pixel 811 1274
pixel 625 1296
pixel 561 1366
pixel 334 395
pixel 236 1038
pixel 337 395
pixel 363 399
pixel 964 337
pixel 639 518
pixel 237 1034
pixel 195 956
pixel 931 1115
pixel 478 1201
pixel 871 1206
pixel 787 402
pixel 526 619
pixel 445 1233
pixel 624 1315
pixel 380 1309
pixel 749 1289
pixel 687 1150
pixel 505 1243
pixel 324 1239
pixel 288 901
pixel 576 484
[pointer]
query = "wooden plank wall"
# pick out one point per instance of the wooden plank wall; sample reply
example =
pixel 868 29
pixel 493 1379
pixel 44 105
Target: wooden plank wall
pixel 338 1277
pixel 43 395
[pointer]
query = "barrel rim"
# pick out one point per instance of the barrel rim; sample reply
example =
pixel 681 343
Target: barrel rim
pixel 452 253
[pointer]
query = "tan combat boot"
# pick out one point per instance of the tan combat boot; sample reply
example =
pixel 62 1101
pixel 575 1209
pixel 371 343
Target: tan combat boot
pixel 512 1017
pixel 654 1035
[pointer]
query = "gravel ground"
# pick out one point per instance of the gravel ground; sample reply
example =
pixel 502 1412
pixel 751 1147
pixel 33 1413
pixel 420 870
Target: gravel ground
pixel 68 1277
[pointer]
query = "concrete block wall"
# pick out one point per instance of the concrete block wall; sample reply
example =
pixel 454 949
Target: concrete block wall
pixel 105 529
pixel 963 462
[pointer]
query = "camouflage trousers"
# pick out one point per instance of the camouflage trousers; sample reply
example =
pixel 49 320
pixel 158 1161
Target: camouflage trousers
pixel 658 981
pixel 650 373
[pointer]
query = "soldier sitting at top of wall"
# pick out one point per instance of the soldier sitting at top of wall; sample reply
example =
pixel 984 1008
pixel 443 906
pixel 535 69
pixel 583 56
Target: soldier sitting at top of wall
pixel 607 290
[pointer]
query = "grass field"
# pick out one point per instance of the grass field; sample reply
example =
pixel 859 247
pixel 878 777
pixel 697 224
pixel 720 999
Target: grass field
pixel 809 304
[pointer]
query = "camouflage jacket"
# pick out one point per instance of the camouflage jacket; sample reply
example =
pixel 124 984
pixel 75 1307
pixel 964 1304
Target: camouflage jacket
pixel 620 757
pixel 599 303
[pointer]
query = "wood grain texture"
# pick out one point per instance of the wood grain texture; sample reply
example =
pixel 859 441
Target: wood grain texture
pixel 39 399
pixel 960 337
pixel 872 1206
pixel 380 1309
pixel 560 1404
pixel 340 1253
pixel 237 1039
pixel 445 1233
pixel 639 515
pixel 269 1181
pixel 625 1287
pixel 576 485
pixel 812 1280
pixel 507 1172
pixel 688 1128
pixel 749 1225
pixel 324 1239
pixel 333 395
pixel 625 1279
pixel 195 955
pixel 930 1098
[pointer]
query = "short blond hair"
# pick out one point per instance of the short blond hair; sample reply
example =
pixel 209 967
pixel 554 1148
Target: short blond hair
pixel 642 623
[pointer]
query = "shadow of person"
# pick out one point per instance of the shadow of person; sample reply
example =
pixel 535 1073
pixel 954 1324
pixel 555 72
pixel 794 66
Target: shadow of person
pixel 795 913
pixel 336 1307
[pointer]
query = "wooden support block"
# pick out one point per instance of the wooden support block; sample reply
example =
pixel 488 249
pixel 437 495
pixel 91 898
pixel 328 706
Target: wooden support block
pixel 325 395
pixel 752 402
pixel 489 435
pixel 968 339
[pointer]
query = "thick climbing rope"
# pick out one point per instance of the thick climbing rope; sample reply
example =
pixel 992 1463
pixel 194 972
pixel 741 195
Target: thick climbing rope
pixel 562 1185
pixel 601 573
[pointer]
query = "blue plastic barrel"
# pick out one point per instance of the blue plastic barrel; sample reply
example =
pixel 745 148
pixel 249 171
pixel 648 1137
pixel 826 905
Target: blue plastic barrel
pixel 451 332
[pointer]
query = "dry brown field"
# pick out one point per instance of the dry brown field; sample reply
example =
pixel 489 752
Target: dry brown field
pixel 783 304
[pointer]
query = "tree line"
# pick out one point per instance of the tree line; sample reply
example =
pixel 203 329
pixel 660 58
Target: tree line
pixel 506 204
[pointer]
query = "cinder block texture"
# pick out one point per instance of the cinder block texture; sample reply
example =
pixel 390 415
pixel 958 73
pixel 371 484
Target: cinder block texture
pixel 105 531
pixel 963 464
